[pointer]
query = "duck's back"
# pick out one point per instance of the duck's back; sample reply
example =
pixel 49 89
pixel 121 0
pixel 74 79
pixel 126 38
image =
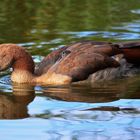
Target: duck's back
pixel 56 55
pixel 83 58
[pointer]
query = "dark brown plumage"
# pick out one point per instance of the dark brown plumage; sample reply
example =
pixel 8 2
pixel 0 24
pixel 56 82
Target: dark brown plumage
pixel 67 64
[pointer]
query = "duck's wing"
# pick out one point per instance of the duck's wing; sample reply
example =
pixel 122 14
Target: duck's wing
pixel 49 60
pixel 85 44
pixel 129 45
pixel 79 65
pixel 55 55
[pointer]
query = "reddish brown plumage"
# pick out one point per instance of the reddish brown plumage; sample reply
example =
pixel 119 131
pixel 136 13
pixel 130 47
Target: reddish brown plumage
pixel 74 62
pixel 79 65
pixel 131 51
pixel 106 48
pixel 85 58
pixel 17 57
pixel 49 60
pixel 132 55
pixel 23 61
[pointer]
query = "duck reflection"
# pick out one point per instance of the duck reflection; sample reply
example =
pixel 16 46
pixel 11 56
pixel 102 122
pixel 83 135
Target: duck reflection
pixel 98 93
pixel 85 93
pixel 14 106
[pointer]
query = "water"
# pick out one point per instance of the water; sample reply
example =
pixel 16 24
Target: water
pixel 99 111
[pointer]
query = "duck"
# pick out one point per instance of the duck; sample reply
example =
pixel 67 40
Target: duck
pixel 68 64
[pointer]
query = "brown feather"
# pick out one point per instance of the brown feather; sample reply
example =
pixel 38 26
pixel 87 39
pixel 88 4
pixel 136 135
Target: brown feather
pixel 67 64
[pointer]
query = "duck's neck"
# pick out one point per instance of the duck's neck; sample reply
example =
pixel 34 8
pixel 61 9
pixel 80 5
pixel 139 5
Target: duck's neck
pixel 23 67
pixel 23 72
pixel 22 76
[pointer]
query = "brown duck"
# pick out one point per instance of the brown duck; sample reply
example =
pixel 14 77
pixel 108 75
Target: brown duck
pixel 67 64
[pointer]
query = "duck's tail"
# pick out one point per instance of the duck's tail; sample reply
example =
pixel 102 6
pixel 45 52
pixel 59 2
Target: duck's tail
pixel 125 70
pixel 131 51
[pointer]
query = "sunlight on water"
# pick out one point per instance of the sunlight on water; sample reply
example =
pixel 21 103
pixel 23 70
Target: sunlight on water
pixel 136 11
pixel 88 111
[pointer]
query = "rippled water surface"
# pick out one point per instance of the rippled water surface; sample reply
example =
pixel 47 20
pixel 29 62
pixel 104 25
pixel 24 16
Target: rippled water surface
pixel 100 111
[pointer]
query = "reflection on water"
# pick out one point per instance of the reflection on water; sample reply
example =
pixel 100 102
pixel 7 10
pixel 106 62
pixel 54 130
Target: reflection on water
pixel 73 112
pixel 104 110
pixel 83 94
pixel 14 106
pixel 97 92
pixel 84 112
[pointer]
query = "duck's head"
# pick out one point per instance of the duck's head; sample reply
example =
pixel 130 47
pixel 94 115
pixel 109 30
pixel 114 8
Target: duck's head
pixel 12 55
pixel 6 56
